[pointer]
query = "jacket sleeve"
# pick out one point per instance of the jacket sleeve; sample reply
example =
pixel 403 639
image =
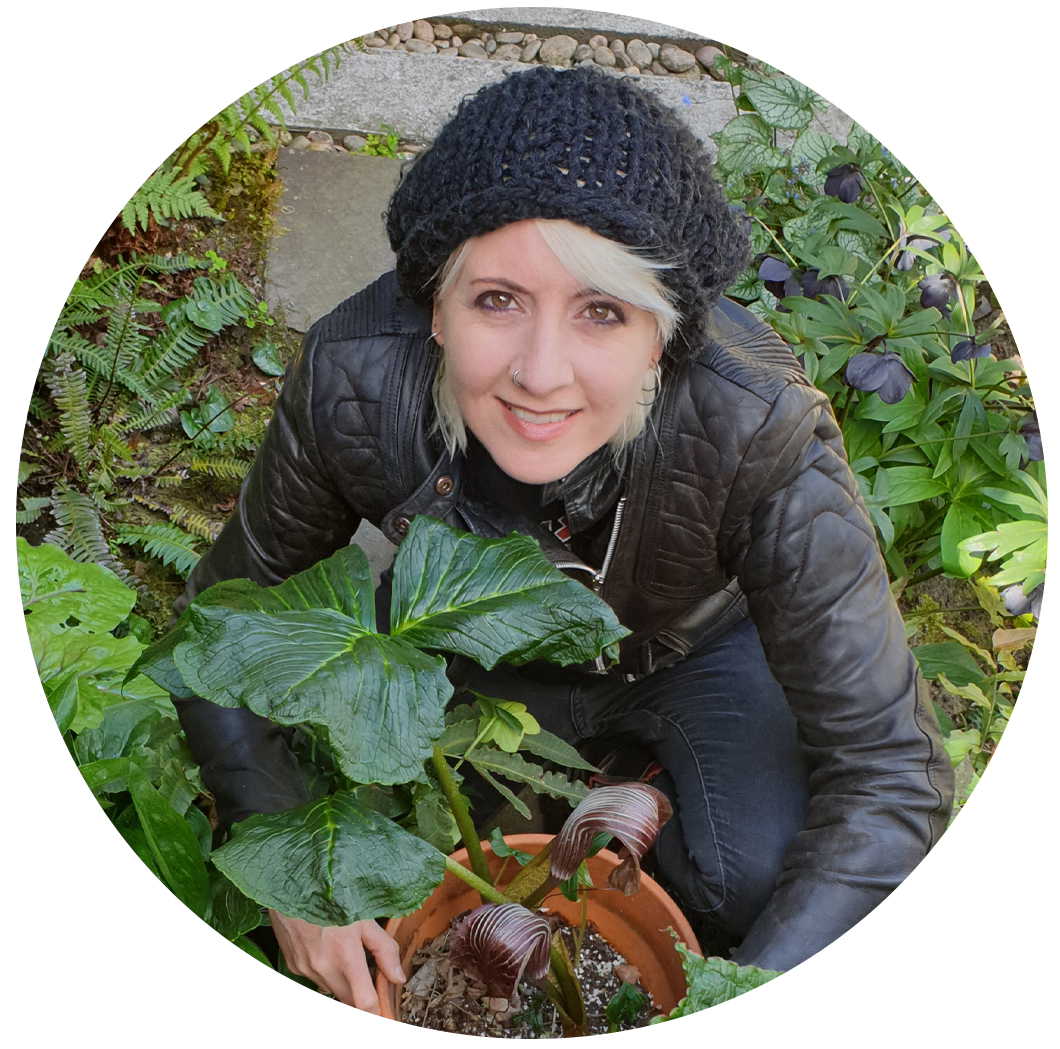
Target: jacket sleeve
pixel 881 787
pixel 290 515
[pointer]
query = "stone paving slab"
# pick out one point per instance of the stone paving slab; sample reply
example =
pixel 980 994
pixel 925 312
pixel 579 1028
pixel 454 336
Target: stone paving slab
pixel 417 94
pixel 332 208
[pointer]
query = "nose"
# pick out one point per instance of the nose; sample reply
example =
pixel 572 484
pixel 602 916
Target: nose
pixel 544 360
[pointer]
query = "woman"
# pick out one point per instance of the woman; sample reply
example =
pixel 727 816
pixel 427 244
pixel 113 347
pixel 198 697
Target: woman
pixel 553 355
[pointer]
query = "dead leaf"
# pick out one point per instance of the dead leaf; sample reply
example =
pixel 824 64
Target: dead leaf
pixel 626 973
pixel 1007 640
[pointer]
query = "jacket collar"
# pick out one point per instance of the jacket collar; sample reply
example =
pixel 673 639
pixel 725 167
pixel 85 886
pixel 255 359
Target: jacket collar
pixel 591 488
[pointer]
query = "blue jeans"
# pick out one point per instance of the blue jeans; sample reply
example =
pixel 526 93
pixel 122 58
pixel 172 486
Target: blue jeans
pixel 720 727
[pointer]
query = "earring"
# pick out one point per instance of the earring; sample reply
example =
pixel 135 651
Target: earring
pixel 656 386
pixel 515 379
pixel 434 335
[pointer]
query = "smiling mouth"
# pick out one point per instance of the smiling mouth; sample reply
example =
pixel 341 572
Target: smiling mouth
pixel 539 418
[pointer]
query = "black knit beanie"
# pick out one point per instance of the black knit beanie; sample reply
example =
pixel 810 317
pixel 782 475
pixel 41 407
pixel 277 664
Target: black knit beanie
pixel 581 145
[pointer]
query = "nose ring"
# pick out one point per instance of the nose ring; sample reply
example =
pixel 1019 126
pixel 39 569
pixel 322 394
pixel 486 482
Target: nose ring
pixel 515 379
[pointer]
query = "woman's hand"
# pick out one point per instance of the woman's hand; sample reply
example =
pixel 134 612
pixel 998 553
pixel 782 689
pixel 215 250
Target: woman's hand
pixel 333 957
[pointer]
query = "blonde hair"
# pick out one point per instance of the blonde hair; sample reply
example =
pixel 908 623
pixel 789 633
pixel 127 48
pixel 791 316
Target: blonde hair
pixel 595 262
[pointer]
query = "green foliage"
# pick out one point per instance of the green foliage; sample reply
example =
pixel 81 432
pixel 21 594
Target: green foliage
pixel 172 191
pixel 120 727
pixel 113 368
pixel 383 144
pixel 946 461
pixel 171 545
pixel 712 981
pixel 624 1007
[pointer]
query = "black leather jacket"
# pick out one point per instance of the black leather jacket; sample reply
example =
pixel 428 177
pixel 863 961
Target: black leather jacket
pixel 738 499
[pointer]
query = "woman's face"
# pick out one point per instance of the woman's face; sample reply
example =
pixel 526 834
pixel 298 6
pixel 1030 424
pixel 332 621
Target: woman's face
pixel 582 357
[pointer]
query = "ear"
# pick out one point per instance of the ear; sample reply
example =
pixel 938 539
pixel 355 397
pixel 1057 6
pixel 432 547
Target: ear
pixel 656 353
pixel 436 326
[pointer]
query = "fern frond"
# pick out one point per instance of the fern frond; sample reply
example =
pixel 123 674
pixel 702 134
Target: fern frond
pixel 170 544
pixel 194 521
pixel 78 529
pixel 166 194
pixel 26 470
pixel 40 409
pixel 32 507
pixel 179 263
pixel 219 466
pixel 67 384
pixel 169 480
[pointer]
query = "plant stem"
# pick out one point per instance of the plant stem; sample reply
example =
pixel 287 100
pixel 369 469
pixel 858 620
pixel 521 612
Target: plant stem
pixel 480 885
pixel 458 807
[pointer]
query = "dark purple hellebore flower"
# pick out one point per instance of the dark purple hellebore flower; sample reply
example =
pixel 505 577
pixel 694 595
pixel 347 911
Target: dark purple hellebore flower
pixel 882 373
pixel 812 288
pixel 844 182
pixel 1019 604
pixel 1028 427
pixel 936 290
pixel 778 278
pixel 967 350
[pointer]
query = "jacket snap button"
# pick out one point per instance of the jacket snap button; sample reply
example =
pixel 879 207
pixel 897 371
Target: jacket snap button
pixel 444 485
pixel 401 525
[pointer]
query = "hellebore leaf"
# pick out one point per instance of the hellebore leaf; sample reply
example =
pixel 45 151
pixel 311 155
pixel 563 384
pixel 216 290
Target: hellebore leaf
pixel 499 944
pixel 331 862
pixel 634 813
pixel 493 600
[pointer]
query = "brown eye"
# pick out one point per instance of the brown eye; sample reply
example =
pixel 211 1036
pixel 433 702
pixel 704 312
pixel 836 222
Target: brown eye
pixel 603 313
pixel 498 300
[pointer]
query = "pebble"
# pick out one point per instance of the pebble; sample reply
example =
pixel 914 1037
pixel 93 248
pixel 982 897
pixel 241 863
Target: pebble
pixel 618 46
pixel 689 74
pixel 285 137
pixel 705 57
pixel 658 68
pixel 604 56
pixel 393 40
pixel 509 38
pixel 423 30
pixel 676 59
pixel 654 49
pixel 449 52
pixel 320 147
pixel 530 51
pixel 582 52
pixel 299 142
pixel 558 50
pixel 639 52
pixel 404 31
pixel 463 30
pixel 321 137
pixel 442 32
pixel 419 46
pixel 622 60
pixel 354 142
pixel 507 53
pixel 472 49
pixel 490 45
pixel 597 41
pixel 455 41
pixel 374 40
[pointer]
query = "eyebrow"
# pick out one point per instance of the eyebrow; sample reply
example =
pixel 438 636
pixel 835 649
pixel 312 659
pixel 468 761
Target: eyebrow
pixel 582 293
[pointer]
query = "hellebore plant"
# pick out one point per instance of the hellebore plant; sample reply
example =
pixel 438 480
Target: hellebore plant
pixel 307 653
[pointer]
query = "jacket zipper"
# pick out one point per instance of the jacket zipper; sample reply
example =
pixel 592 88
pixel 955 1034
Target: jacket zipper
pixel 599 577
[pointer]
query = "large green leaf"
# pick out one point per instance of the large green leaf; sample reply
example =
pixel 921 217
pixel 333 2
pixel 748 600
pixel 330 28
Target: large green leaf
pixel 331 862
pixel 493 600
pixel 230 911
pixel 745 145
pixel 712 981
pixel 949 658
pixel 380 700
pixel 61 595
pixel 173 844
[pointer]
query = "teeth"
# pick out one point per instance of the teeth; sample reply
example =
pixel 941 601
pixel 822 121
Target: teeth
pixel 538 417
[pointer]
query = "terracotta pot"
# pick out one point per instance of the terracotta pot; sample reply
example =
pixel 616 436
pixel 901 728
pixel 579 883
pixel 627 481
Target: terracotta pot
pixel 635 926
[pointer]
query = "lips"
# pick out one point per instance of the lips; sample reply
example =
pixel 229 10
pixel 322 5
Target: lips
pixel 538 426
